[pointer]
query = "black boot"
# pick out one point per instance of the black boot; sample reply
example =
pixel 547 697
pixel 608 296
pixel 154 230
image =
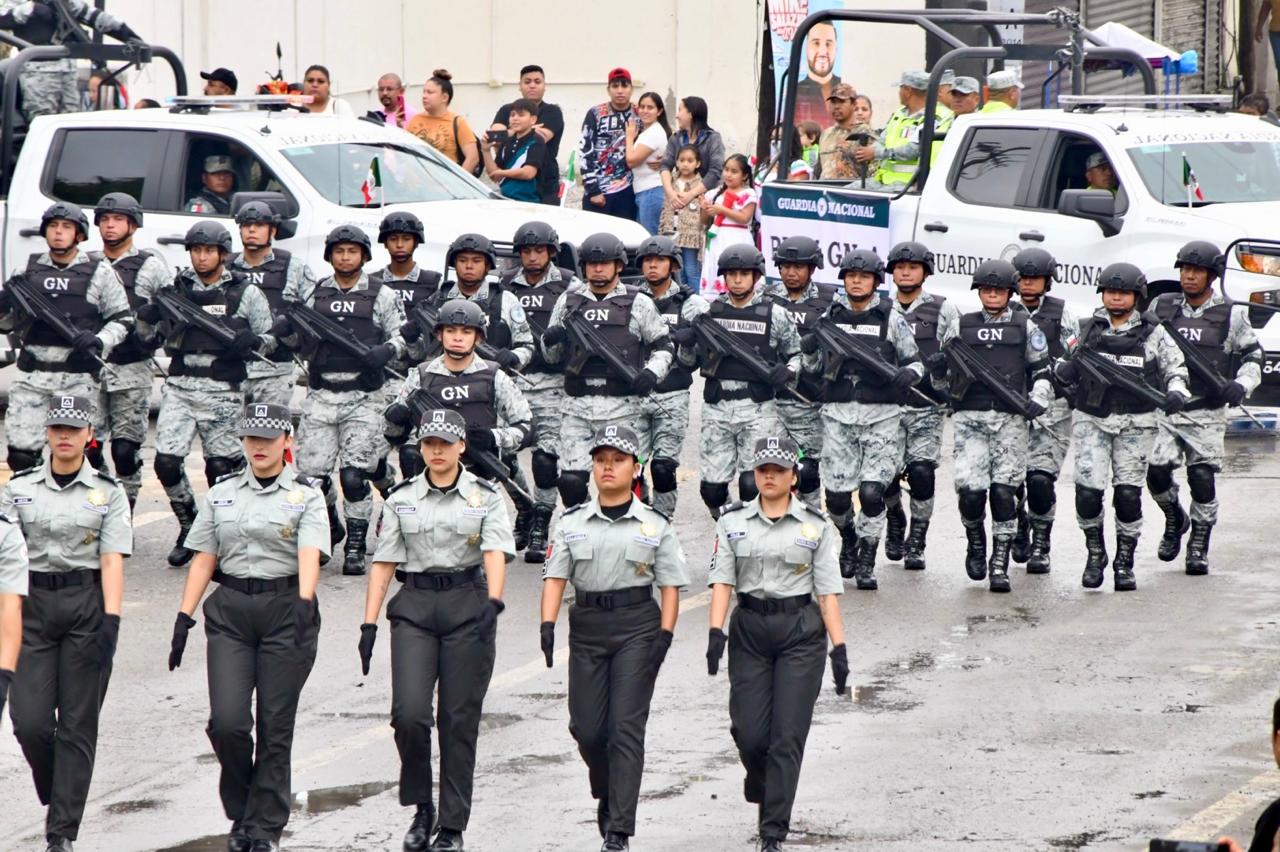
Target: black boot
pixel 1038 556
pixel 1021 547
pixel 602 816
pixel 1123 564
pixel 57 843
pixel 539 531
pixel 998 571
pixel 895 530
pixel 1097 561
pixel 337 532
pixel 865 567
pixel 1198 548
pixel 975 557
pixel 524 520
pixel 615 842
pixel 419 836
pixel 186 514
pixel 770 844
pixel 914 558
pixel 447 840
pixel 848 551
pixel 237 840
pixel 353 562
pixel 1176 524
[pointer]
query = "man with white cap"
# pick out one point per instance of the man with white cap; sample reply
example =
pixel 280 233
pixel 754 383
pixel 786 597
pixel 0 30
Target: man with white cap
pixel 1099 174
pixel 1004 91
pixel 965 94
pixel 218 181
pixel 898 150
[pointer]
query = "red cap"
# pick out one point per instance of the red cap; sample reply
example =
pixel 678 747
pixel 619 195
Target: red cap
pixel 619 74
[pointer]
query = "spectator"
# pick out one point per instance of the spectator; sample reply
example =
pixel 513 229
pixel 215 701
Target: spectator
pixel 809 132
pixel 1270 9
pixel 792 164
pixel 220 82
pixel 1267 828
pixel 692 118
pixel 729 216
pixel 391 96
pixel 1257 104
pixel 1004 91
pixel 606 180
pixel 316 84
pixel 147 103
pixel 861 110
pixel 550 129
pixel 94 91
pixel 646 141
pixel 821 80
pixel 441 129
pixel 964 95
pixel 517 156
pixel 835 147
pixel 684 223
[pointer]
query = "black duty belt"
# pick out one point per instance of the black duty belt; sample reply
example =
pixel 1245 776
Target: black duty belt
pixel 61 580
pixel 738 393
pixel 441 580
pixel 250 586
pixel 773 606
pixel 616 599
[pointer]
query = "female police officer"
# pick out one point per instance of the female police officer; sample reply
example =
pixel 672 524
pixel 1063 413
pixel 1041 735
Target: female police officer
pixel 259 534
pixel 614 549
pixel 778 554
pixel 446 537
pixel 77 528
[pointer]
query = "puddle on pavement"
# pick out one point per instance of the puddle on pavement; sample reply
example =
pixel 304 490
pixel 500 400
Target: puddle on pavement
pixel 533 762
pixel 1078 841
pixel 1184 708
pixel 878 696
pixel 543 696
pixel 328 799
pixel 1245 453
pixel 381 716
pixel 1150 794
pixel 494 721
pixel 134 806
pixel 999 622
pixel 816 839
pixel 882 692
pixel 206 758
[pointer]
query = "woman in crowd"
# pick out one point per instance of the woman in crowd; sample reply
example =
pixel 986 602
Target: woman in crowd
pixel 316 84
pixel 692 118
pixel 441 129
pixel 646 141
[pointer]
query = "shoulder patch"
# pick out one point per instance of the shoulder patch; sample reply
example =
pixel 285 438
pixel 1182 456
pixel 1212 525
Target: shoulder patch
pixel 398 486
pixel 731 507
pixel 813 511
pixel 103 475
pixel 233 474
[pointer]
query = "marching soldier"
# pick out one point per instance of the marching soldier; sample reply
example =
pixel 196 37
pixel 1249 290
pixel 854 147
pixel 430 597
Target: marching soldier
pixel 614 549
pixel 538 246
pixel 920 423
pixel 76 523
pixel 203 392
pixel 739 407
pixel 1114 428
pixel 597 395
pixel 14 585
pixel 779 556
pixel 991 436
pixel 666 414
pixel 259 535
pixel 89 296
pixel 125 401
pixel 1049 436
pixel 796 259
pixel 1220 334
pixel 446 537
pixel 860 410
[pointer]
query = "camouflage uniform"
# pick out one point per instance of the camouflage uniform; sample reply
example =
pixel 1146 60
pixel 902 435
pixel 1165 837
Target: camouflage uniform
pixel 1049 435
pixel 508 309
pixel 274 382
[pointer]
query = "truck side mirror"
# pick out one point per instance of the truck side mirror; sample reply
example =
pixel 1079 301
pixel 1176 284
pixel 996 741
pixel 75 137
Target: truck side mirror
pixel 1099 205
pixel 278 202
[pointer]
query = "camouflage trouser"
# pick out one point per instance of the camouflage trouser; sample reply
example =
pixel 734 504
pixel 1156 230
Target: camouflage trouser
pixel 49 88
pixel 29 402
pixel 275 389
pixel 583 415
pixel 1115 447
pixel 1047 446
pixel 125 413
pixel 666 428
pixel 183 413
pixel 854 454
pixel 343 428
pixel 991 447
pixel 1191 438
pixel 730 429
pixel 803 424
pixel 547 405
pixel 920 434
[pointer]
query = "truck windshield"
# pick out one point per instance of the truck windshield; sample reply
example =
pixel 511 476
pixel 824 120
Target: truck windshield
pixel 342 173
pixel 1218 172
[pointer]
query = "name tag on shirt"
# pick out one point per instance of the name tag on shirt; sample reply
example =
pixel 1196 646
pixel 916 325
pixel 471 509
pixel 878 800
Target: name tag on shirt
pixel 406 510
pixel 806 543
pixel 294 507
pixel 224 501
pixel 645 539
pixel 101 510
pixel 22 501
pixel 475 511
pixel 734 535
pixel 574 536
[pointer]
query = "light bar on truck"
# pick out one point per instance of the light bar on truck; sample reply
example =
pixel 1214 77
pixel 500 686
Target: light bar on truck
pixel 237 101
pixel 1216 103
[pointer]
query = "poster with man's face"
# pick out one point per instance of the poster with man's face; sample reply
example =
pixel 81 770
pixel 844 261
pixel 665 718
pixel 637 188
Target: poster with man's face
pixel 821 54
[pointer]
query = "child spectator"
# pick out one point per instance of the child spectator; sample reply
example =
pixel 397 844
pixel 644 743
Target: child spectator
pixel 518 156
pixel 729 214
pixel 684 223
pixel 809 133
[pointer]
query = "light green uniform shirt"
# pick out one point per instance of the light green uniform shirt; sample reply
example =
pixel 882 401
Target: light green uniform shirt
pixel 68 529
pixel 13 558
pixel 426 529
pixel 794 555
pixel 597 554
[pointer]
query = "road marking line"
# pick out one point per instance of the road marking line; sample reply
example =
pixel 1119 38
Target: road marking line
pixel 143 519
pixel 1212 820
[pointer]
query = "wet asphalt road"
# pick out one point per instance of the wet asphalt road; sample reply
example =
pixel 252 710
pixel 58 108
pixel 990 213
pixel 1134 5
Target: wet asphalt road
pixel 1048 719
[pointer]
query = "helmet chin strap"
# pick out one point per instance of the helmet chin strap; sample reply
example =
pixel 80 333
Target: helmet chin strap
pixel 458 356
pixel 116 243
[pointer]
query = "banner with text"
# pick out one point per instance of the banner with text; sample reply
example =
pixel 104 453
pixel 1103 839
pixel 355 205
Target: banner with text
pixel 839 219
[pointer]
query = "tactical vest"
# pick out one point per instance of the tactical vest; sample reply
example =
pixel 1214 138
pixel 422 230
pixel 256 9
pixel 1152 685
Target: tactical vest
pixel 538 301
pixel 612 318
pixel 855 383
pixel 270 278
pixel 679 377
pixel 130 350
pixel 508 277
pixel 222 303
pixel 1002 346
pixel 923 322
pixel 352 309
pixel 753 325
pixel 68 289
pixel 1048 318
pixel 471 394
pixel 900 130
pixel 1127 351
pixel 806 313
pixel 498 333
pixel 1208 334
pixel 410 292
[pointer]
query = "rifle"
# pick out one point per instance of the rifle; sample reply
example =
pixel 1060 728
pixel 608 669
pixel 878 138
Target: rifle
pixel 183 311
pixel 726 345
pixel 589 339
pixel 39 306
pixel 425 316
pixel 1104 373
pixel 1197 364
pixel 842 347
pixel 964 362
pixel 320 328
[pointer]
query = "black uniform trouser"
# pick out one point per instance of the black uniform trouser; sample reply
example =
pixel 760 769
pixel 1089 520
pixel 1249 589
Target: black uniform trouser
pixel 610 687
pixel 435 640
pixel 56 695
pixel 252 648
pixel 775 674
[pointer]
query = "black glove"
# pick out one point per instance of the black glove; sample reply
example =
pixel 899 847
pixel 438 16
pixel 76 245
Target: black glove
pixel 905 379
pixel 181 626
pixel 554 335
pixel 368 633
pixel 87 341
pixel 780 376
pixel 148 313
pixel 411 331
pixel 108 636
pixel 937 364
pixel 644 384
pixel 6 678
pixel 1067 372
pixel 399 414
pixel 1174 402
pixel 481 439
pixel 1034 410
pixel 683 335
pixel 809 344
pixel 506 359
pixel 245 344
pixel 6 302
pixel 715 649
pixel 658 650
pixel 548 635
pixel 840 668
pixel 487 621
pixel 380 356
pixel 304 619
pixel 1234 394
pixel 282 326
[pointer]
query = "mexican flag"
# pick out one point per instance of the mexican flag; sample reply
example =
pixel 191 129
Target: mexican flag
pixel 1189 181
pixel 372 179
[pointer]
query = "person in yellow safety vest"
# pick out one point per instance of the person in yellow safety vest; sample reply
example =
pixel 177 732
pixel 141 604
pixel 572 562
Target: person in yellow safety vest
pixel 964 95
pixel 1004 91
pixel 899 147
pixel 945 83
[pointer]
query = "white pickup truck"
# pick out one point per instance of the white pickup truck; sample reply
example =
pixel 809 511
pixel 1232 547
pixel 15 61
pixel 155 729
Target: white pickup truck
pixel 1008 180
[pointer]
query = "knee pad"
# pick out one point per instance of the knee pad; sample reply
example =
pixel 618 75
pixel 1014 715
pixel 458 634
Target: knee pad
pixel 126 456
pixel 920 478
pixel 973 504
pixel 1088 502
pixel 22 459
pixel 714 495
pixel 1160 478
pixel 218 466
pixel 747 485
pixel 573 487
pixel 411 463
pixel 168 468
pixel 839 502
pixel 810 480
pixel 545 472
pixel 663 471
pixel 1200 482
pixel 1127 501
pixel 1040 494
pixel 1004 502
pixel 354 482
pixel 871 496
pixel 379 472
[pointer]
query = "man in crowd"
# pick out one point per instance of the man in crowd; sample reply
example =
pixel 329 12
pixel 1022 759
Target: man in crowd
pixel 836 150
pixel 549 127
pixel 395 111
pixel 602 150
pixel 220 82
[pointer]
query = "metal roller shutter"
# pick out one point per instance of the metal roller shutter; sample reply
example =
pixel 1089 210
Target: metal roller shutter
pixel 1194 25
pixel 1137 15
pixel 1034 73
